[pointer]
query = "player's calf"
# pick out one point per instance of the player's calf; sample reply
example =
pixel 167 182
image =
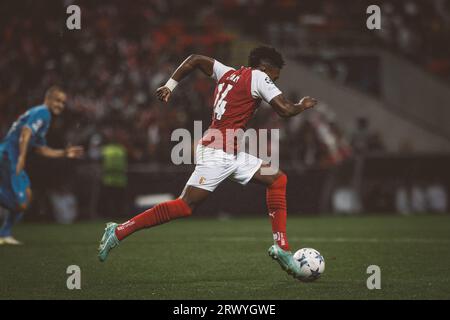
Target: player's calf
pixel 276 204
pixel 157 215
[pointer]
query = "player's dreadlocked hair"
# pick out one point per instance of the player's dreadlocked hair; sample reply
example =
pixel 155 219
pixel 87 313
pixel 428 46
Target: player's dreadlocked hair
pixel 265 54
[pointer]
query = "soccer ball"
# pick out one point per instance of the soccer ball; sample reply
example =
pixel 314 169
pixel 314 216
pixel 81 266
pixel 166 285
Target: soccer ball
pixel 311 264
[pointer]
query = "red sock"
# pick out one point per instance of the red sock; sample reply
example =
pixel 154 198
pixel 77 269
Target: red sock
pixel 159 214
pixel 276 203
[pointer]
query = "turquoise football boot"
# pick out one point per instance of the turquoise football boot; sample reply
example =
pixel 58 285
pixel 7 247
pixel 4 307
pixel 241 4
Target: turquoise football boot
pixel 285 259
pixel 108 242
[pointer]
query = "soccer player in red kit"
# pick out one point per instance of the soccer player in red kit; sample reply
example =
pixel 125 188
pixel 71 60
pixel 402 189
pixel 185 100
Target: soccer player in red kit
pixel 237 95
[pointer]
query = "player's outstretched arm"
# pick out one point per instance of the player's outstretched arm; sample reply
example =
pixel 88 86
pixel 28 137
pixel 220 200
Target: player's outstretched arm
pixel 193 62
pixel 286 109
pixel 69 152
pixel 25 136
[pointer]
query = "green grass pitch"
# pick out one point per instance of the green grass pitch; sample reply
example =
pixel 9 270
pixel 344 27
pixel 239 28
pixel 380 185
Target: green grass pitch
pixel 214 259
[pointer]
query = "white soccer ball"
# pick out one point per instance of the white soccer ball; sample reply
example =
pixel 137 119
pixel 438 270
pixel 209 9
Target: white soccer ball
pixel 311 264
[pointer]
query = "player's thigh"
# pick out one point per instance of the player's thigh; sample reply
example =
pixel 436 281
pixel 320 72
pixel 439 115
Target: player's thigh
pixel 213 167
pixel 194 196
pixel 265 176
pixel 245 168
pixel 203 181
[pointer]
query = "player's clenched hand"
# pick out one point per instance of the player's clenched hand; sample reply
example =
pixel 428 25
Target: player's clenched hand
pixel 308 102
pixel 74 152
pixel 163 93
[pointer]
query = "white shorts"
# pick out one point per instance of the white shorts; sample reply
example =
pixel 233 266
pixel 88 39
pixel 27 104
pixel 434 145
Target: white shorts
pixel 215 165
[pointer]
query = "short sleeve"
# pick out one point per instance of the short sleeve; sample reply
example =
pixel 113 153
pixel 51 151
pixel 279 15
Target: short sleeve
pixel 219 70
pixel 36 121
pixel 263 87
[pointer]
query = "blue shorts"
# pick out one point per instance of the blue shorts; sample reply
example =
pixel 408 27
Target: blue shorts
pixel 12 187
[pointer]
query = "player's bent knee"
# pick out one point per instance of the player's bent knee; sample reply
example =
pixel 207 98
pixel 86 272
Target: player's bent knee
pixel 185 208
pixel 191 202
pixel 191 207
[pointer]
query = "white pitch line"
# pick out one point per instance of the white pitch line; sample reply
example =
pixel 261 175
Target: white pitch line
pixel 373 240
pixel 340 240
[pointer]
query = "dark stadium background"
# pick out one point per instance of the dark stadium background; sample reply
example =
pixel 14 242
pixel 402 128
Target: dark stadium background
pixel 384 99
pixel 368 167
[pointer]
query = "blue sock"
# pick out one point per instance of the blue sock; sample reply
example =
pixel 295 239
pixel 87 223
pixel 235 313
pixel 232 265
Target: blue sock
pixel 11 219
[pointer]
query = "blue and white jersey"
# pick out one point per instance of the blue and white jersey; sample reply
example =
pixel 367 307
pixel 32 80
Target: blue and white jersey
pixel 38 120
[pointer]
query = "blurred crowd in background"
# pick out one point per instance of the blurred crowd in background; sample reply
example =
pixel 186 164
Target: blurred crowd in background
pixel 331 35
pixel 124 52
pixel 112 68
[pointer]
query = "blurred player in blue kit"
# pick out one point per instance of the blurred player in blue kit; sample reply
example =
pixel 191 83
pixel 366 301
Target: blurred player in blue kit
pixel 28 131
